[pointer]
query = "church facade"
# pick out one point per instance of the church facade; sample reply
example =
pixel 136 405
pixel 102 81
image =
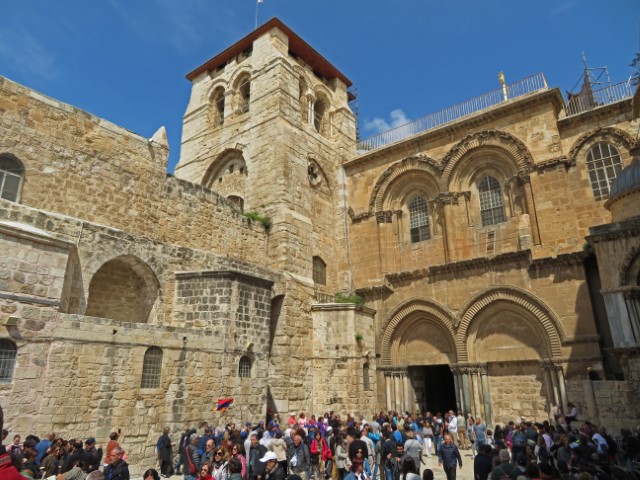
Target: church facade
pixel 287 265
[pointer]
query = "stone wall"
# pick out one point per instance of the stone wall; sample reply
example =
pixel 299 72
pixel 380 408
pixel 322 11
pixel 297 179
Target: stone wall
pixel 611 404
pixel 517 389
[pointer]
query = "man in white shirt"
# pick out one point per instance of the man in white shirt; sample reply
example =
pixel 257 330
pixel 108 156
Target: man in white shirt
pixel 453 426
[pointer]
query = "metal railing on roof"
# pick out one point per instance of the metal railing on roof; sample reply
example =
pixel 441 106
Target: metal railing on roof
pixel 591 99
pixel 528 85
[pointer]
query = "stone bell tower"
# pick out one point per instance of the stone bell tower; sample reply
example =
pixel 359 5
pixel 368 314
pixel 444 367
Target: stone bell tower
pixel 268 126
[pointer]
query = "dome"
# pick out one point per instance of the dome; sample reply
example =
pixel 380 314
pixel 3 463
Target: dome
pixel 627 180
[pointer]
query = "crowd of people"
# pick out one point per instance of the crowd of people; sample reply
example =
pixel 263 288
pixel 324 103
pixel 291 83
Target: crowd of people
pixel 389 445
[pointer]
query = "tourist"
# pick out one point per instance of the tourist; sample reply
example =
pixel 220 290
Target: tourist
pixel 238 452
pixel 448 457
pixel 427 474
pixel 341 456
pixel 482 463
pixel 235 469
pixel 255 469
pixel 279 447
pixel 191 459
pixel 151 474
pixel 315 452
pixel 573 414
pixel 219 464
pixel 94 451
pixel 299 461
pixel 413 448
pixel 272 470
pixel 51 462
pixel 452 426
pixel 479 432
pixel 394 461
pixel 471 423
pixel 463 439
pixel 409 470
pixel 117 469
pixel 427 435
pixel 205 472
pixel 505 468
pixel 209 450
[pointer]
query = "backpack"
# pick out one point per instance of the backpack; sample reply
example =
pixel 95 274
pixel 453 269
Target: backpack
pixel 437 429
pixel 159 444
pixel 517 439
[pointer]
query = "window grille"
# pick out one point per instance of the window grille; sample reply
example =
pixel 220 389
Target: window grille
pixel 365 377
pixel 491 202
pixel 151 368
pixel 319 271
pixel 244 367
pixel 604 164
pixel 245 95
pixel 218 101
pixel 8 353
pixel 11 173
pixel 419 220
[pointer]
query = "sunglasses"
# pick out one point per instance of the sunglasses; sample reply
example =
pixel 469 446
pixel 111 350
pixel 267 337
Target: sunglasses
pixel 218 453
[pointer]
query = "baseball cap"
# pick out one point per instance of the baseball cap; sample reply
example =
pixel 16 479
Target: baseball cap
pixel 269 456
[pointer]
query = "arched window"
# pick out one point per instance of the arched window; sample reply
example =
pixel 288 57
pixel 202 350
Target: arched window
pixel 304 102
pixel 11 174
pixel 365 377
pixel 244 94
pixel 244 367
pixel 604 164
pixel 419 220
pixel 8 353
pixel 218 106
pixel 319 271
pixel 319 108
pixel 237 202
pixel 491 202
pixel 151 368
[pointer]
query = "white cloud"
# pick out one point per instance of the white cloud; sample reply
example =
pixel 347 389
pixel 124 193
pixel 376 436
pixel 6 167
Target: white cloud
pixel 23 53
pixel 378 124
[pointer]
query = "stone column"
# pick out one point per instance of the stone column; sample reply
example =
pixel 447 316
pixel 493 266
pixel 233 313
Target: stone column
pixel 408 397
pixel 387 384
pixel 563 388
pixel 398 390
pixel 524 181
pixel 456 383
pixel 476 394
pixel 466 393
pixel 486 398
pixel 446 201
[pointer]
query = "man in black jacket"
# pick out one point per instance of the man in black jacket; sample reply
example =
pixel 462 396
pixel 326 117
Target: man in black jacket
pixel 117 469
pixel 255 468
pixel 448 456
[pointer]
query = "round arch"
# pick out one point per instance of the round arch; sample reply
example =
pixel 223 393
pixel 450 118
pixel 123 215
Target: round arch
pixel 609 134
pixel 496 140
pixel 125 289
pixel 411 310
pixel 222 162
pixel 515 298
pixel 391 175
pixel 630 268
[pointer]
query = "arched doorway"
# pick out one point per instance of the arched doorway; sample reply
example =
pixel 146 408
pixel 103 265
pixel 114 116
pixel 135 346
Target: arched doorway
pixel 508 342
pixel 418 351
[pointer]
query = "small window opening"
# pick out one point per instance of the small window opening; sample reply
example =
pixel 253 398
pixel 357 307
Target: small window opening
pixel 244 367
pixel 245 96
pixel 151 368
pixel 318 115
pixel 319 271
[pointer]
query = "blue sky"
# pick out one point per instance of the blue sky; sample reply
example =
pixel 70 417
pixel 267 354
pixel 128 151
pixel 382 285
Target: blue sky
pixel 125 60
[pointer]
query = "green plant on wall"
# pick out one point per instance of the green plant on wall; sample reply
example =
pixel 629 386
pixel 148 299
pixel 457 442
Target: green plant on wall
pixel 358 336
pixel 254 216
pixel 342 297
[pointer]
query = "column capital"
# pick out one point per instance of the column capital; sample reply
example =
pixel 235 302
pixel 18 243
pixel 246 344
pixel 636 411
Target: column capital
pixel 550 364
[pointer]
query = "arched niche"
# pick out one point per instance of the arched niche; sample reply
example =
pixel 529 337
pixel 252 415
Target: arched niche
pixel 124 289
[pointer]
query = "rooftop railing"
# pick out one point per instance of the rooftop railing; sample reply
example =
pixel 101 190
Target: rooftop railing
pixel 596 98
pixel 450 114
